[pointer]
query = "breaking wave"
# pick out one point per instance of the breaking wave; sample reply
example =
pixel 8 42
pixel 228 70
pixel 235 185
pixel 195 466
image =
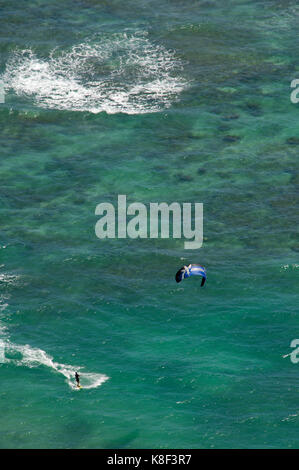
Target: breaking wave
pixel 117 73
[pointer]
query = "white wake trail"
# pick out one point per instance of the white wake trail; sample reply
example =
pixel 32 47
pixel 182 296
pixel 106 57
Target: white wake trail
pixel 27 356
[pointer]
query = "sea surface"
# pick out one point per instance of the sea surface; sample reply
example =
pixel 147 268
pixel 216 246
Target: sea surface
pixel 161 101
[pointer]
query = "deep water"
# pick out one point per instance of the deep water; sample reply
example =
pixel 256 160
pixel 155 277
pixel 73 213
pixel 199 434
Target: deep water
pixel 161 101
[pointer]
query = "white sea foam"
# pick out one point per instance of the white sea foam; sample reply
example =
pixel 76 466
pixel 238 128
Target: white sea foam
pixel 289 266
pixel 117 73
pixel 8 278
pixel 26 356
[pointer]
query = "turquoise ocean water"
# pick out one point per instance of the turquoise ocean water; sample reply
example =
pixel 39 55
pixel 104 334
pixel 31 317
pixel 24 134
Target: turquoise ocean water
pixel 185 101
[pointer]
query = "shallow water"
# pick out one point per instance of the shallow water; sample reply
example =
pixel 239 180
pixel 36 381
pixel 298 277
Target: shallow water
pixel 161 101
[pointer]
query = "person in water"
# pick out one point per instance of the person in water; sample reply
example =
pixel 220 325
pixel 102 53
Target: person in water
pixel 77 377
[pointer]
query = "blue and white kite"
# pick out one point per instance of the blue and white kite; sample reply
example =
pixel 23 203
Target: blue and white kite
pixel 191 270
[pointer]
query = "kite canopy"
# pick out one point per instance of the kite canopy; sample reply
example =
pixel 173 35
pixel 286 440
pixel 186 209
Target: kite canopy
pixel 191 270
